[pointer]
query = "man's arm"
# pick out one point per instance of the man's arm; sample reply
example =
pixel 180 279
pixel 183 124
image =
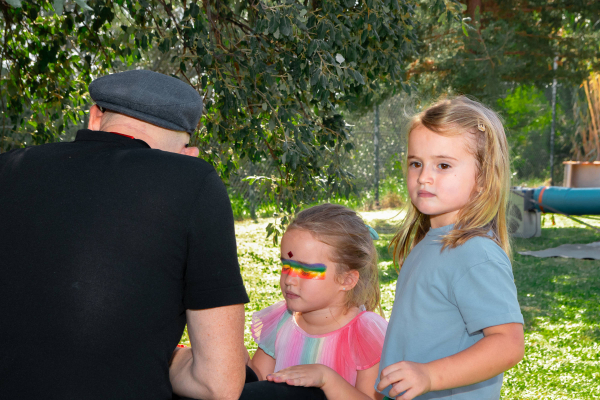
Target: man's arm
pixel 214 367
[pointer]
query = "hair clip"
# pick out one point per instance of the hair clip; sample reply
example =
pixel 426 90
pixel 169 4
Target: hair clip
pixel 373 233
pixel 481 127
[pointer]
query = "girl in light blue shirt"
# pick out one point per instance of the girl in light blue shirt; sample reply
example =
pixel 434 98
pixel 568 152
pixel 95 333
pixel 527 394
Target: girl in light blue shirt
pixel 456 325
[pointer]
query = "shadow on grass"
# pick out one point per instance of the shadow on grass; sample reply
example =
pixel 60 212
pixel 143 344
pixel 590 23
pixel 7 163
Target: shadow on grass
pixel 387 275
pixel 383 226
pixel 559 290
pixel 387 272
pixel 553 237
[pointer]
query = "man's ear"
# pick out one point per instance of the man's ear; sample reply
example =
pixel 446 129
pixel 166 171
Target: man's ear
pixel 190 151
pixel 95 120
pixel 351 279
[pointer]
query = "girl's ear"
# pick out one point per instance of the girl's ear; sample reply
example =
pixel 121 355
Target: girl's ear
pixel 351 279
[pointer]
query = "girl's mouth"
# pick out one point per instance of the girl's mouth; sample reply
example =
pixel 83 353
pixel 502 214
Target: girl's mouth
pixel 424 193
pixel 291 296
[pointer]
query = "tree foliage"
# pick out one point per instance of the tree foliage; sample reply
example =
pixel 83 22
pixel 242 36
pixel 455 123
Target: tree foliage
pixel 503 44
pixel 274 74
pixel 527 113
pixel 46 63
pixel 502 53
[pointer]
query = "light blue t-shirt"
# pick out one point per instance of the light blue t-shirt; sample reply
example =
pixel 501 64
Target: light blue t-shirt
pixel 444 300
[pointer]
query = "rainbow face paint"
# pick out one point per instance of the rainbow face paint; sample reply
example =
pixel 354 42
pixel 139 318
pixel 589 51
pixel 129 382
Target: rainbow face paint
pixel 304 271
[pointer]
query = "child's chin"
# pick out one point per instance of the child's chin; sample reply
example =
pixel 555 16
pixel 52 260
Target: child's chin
pixel 293 303
pixel 290 307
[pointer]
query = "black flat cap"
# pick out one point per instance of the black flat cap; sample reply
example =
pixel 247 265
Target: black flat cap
pixel 151 97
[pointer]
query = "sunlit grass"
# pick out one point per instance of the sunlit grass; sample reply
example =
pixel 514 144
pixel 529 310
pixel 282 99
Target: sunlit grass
pixel 559 299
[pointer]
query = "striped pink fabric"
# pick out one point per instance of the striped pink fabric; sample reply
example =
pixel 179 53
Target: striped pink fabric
pixel 354 347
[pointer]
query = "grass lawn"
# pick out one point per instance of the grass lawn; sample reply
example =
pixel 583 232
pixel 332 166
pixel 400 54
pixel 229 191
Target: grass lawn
pixel 559 299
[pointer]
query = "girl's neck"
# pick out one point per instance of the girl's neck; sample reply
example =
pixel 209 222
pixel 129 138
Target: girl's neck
pixel 320 322
pixel 437 221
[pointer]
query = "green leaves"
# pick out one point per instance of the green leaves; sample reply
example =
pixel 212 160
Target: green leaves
pixel 59 5
pixel 464 28
pixel 83 5
pixel 274 76
pixel 49 60
pixel 312 47
pixel 285 27
pixel 496 48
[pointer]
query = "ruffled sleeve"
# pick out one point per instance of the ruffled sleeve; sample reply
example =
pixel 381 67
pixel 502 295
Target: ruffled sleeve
pixel 366 339
pixel 264 326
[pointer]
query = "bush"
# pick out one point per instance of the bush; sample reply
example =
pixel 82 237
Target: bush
pixel 392 191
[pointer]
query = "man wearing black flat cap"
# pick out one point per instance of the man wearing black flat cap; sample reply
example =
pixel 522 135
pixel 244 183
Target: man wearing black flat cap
pixel 109 245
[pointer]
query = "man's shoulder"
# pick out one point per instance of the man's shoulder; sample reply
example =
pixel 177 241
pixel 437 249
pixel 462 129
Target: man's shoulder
pixel 165 163
pixel 179 160
pixel 35 148
pixel 137 163
pixel 22 154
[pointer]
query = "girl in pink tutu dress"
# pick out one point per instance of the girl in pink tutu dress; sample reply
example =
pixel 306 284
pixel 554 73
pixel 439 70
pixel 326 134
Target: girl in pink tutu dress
pixel 324 334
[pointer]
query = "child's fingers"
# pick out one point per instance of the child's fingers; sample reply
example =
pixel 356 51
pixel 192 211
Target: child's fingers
pixel 283 376
pixel 294 378
pixel 301 375
pixel 399 387
pixel 275 378
pixel 296 382
pixel 408 395
pixel 391 368
pixel 390 379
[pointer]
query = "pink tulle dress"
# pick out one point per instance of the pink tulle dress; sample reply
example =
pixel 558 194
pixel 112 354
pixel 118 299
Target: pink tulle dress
pixel 354 347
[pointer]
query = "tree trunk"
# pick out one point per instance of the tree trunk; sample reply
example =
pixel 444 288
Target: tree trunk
pixel 473 5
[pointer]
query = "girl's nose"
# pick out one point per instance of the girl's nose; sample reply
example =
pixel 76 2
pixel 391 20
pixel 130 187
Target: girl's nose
pixel 425 176
pixel 290 280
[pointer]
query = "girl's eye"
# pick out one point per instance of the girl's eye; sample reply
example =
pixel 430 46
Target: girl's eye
pixel 305 273
pixel 444 166
pixel 414 164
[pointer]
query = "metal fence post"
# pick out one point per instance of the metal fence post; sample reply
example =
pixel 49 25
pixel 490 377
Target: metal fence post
pixel 553 125
pixel 251 194
pixel 376 145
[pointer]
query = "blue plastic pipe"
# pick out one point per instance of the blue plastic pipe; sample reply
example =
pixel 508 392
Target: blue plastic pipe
pixel 572 201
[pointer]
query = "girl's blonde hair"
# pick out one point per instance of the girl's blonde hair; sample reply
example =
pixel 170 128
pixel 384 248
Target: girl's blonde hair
pixel 486 211
pixel 352 248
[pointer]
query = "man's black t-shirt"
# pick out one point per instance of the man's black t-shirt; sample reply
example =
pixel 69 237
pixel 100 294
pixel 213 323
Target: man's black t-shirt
pixel 104 243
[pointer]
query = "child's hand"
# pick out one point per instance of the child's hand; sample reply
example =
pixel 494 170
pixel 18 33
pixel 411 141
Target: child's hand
pixel 409 377
pixel 302 375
